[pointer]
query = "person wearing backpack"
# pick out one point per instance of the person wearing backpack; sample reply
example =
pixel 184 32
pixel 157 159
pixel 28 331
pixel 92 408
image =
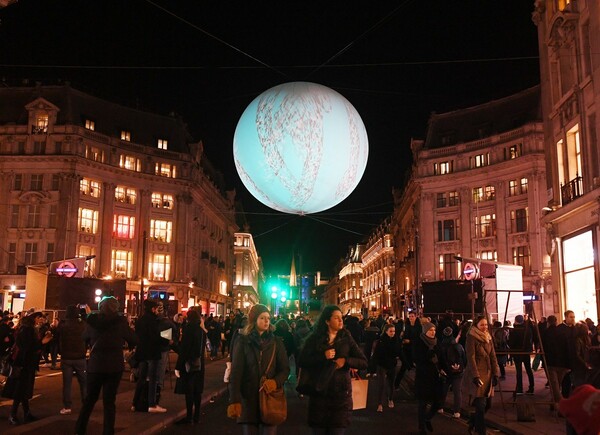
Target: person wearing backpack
pixel 501 345
pixel 453 362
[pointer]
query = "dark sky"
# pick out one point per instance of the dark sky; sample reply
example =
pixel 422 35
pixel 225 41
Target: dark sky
pixel 395 61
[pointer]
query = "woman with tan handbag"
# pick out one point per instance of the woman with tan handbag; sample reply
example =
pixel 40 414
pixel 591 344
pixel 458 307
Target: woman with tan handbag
pixel 259 366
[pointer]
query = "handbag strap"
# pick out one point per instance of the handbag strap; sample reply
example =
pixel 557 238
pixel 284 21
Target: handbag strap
pixel 272 357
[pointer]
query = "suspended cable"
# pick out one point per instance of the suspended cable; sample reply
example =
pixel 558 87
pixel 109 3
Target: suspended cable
pixel 334 226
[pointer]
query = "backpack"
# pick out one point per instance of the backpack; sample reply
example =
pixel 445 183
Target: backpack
pixel 500 339
pixel 454 357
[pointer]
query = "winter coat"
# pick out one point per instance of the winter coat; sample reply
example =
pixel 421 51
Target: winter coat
pixel 428 381
pixel 28 351
pixel 386 350
pixel 147 328
pixel 106 336
pixel 332 409
pixel 72 344
pixel 449 349
pixel 520 338
pixel 251 356
pixel 481 363
pixel 193 341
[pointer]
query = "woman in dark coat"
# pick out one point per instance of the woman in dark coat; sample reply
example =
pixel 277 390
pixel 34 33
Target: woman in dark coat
pixel 190 365
pixel 481 374
pixel 106 334
pixel 332 351
pixel 26 355
pixel 428 380
pixel 253 349
pixel 385 360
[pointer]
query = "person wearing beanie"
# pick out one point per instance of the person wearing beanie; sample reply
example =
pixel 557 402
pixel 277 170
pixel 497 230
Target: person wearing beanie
pixel 453 361
pixel 105 333
pixel 257 355
pixel 428 378
pixel 72 353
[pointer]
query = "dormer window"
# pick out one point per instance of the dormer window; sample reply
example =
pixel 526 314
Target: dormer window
pixel 41 124
pixel 162 144
pixel 90 125
pixel 126 135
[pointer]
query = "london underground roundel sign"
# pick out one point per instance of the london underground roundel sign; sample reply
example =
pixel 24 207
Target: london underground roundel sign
pixel 470 271
pixel 66 268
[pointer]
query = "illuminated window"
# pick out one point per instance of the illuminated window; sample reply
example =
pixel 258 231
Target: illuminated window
pixel 94 153
pixel 442 168
pixel 569 157
pixel 517 187
pixel 89 267
pixel 162 200
pixel 521 258
pixel 33 216
pixel 513 151
pixel 130 163
pixel 485 226
pixel 161 230
pixel 41 124
pixel 36 182
pixel 31 251
pixel 165 170
pixel 122 263
pixel 90 125
pixel 453 199
pixel 448 267
pixel 125 135
pixel 89 187
pixel 88 220
pixel 162 144
pixel 123 226
pixel 50 252
pixel 124 194
pixel 518 220
pixel 477 194
pixel 488 255
pixel 480 160
pixel 447 230
pixel 159 267
pixel 490 193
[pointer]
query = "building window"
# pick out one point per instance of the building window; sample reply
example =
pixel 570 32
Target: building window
pixel 441 200
pixel 50 252
pixel 88 220
pixel 36 182
pixel 162 144
pixel 521 258
pixel 53 216
pixel 90 125
pixel 14 215
pixel 162 200
pixel 58 147
pixel 448 267
pixel 513 151
pixel 126 135
pixel 94 153
pixel 39 147
pixel 490 193
pixel 485 226
pixel 517 187
pixel 447 230
pixel 89 267
pixel 477 194
pixel 569 157
pixel 55 182
pixel 480 160
pixel 165 170
pixel 33 216
pixel 488 255
pixel 159 267
pixel 161 230
pixel 41 124
pixel 123 226
pixel 89 187
pixel 125 194
pixel 31 251
pixel 518 220
pixel 453 199
pixel 18 182
pixel 130 163
pixel 12 257
pixel 442 168
pixel 122 263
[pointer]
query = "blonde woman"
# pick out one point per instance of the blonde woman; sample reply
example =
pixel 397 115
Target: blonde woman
pixel 481 373
pixel 252 352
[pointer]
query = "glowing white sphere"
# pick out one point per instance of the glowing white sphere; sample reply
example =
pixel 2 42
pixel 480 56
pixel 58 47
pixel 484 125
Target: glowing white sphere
pixel 300 148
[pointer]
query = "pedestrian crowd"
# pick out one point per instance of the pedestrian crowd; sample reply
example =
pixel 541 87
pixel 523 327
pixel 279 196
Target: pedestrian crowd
pixel 449 355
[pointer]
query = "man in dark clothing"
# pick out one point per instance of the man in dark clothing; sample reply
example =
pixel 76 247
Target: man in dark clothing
pixel 72 352
pixel 148 352
pixel 520 339
pixel 559 347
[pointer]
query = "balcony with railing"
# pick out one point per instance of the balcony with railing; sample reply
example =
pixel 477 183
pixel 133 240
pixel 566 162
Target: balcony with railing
pixel 571 190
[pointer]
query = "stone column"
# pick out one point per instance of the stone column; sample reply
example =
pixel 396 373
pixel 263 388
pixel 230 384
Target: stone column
pixel 502 222
pixel 106 220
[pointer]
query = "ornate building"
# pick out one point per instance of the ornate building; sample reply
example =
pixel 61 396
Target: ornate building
pixel 247 272
pixel 569 45
pixel 477 189
pixel 378 265
pixel 84 177
pixel 351 280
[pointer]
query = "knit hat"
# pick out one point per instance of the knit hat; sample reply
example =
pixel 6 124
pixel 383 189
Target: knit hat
pixel 448 331
pixel 108 305
pixel 582 409
pixel 519 319
pixel 427 326
pixel 256 311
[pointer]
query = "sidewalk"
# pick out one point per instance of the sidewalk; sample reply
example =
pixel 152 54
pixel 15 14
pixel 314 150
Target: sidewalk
pixel 128 422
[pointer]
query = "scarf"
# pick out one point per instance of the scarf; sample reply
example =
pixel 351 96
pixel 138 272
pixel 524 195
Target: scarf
pixel 479 335
pixel 430 342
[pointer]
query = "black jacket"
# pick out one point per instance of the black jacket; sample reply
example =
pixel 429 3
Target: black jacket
pixel 520 338
pixel 147 329
pixel 29 347
pixel 193 341
pixel 72 344
pixel 386 351
pixel 106 336
pixel 428 384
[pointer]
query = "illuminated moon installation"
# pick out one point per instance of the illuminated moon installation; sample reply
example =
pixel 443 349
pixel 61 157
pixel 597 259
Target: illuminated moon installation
pixel 300 148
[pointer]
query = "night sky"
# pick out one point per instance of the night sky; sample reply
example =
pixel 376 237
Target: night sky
pixel 395 61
